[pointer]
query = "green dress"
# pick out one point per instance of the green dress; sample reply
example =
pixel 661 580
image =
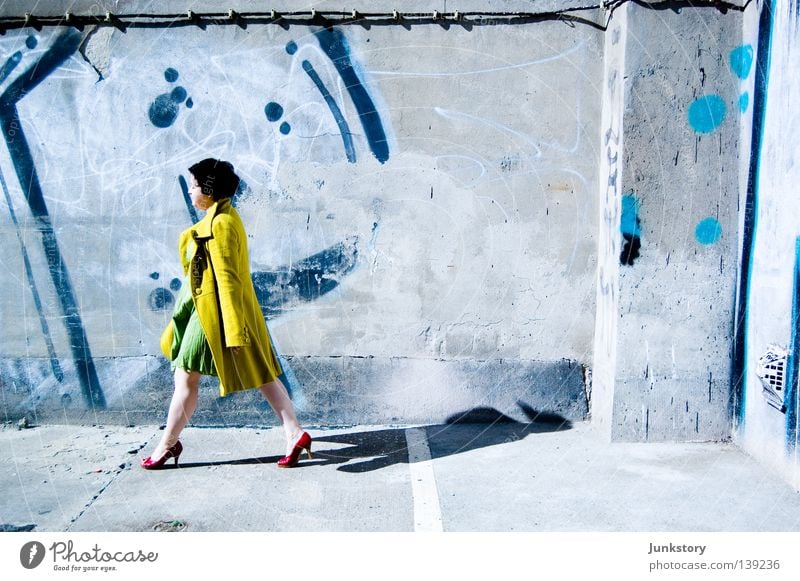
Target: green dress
pixel 190 349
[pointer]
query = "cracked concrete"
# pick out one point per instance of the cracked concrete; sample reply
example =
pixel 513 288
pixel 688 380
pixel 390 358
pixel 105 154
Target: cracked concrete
pixel 53 474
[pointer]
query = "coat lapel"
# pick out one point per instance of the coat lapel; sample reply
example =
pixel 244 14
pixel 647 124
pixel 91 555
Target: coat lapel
pixel 202 230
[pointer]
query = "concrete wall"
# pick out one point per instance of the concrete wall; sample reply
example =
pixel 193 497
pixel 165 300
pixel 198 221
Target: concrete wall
pixel 771 295
pixel 674 166
pixel 420 199
pixel 490 216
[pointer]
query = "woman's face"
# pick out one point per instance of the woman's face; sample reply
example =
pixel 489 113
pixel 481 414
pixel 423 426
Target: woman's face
pixel 199 199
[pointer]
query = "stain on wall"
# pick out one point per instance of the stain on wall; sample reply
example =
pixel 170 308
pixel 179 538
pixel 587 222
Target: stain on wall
pixel 630 227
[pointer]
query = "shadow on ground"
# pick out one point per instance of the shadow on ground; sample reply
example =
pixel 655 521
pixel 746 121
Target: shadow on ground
pixel 375 449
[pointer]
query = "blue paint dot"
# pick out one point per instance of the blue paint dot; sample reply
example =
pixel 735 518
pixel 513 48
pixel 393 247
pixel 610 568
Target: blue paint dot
pixel 175 284
pixel 31 42
pixel 744 101
pixel 189 103
pixel 178 94
pixel 741 60
pixel 171 75
pixel 291 47
pixel 707 113
pixel 163 111
pixel 285 128
pixel 160 299
pixel 154 275
pixel 273 111
pixel 708 231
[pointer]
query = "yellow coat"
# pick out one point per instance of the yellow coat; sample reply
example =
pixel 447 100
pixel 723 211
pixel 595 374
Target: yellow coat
pixel 225 300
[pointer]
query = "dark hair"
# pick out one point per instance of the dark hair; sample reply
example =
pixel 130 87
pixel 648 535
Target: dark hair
pixel 216 178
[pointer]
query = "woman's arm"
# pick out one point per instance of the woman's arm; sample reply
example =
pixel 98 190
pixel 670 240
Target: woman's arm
pixel 225 253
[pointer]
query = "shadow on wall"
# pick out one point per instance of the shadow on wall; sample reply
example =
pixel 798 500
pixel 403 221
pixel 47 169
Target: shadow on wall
pixel 471 430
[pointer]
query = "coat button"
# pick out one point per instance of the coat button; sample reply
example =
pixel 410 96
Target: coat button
pixel 198 290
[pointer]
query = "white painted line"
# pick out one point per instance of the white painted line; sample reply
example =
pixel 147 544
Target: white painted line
pixel 427 513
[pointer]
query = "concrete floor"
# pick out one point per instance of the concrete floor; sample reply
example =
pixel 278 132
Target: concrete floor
pixel 470 477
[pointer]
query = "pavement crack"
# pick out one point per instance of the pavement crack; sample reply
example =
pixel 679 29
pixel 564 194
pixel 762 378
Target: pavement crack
pixel 115 474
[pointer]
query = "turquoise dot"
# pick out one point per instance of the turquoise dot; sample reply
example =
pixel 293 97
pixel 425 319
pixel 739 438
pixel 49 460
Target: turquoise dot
pixel 291 47
pixel 171 75
pixel 741 60
pixel 629 223
pixel 285 128
pixel 708 231
pixel 189 103
pixel 31 42
pixel 744 101
pixel 707 113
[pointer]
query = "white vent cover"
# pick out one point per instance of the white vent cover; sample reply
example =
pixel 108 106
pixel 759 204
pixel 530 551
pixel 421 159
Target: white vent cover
pixel 771 370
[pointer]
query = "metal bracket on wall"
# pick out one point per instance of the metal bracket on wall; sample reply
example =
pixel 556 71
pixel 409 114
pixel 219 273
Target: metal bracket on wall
pixel 466 20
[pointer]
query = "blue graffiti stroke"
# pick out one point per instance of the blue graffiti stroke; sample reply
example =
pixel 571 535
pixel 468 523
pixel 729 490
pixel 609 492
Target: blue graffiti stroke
pixel 334 43
pixel 344 128
pixel 63 47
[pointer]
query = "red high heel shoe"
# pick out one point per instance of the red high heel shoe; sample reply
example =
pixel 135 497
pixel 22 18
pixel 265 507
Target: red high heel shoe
pixel 173 452
pixel 290 461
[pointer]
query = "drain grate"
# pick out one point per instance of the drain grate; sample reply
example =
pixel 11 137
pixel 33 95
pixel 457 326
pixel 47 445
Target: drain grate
pixel 771 370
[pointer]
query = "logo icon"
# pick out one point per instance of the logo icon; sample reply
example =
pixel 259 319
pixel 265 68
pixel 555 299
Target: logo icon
pixel 32 554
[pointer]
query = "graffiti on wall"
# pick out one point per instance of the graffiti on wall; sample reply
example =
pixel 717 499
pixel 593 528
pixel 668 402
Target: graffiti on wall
pixel 706 114
pixel 165 108
pixel 302 281
pixel 293 110
pixel 631 229
pixel 761 86
pixel 63 47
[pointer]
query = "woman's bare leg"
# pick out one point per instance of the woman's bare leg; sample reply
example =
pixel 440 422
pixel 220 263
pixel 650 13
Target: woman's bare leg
pixel 278 398
pixel 181 408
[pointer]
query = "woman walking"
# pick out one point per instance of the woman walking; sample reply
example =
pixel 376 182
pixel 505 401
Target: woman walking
pixel 217 327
